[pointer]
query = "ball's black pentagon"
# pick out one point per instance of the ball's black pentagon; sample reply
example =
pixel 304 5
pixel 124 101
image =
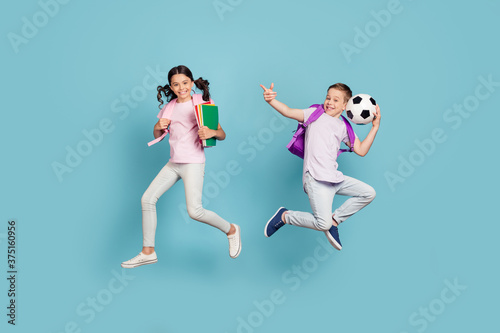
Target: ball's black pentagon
pixel 365 114
pixel 356 100
pixel 349 114
pixel 373 101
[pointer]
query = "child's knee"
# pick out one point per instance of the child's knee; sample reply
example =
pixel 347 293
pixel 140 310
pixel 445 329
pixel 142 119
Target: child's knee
pixel 195 212
pixel 371 194
pixel 148 200
pixel 324 223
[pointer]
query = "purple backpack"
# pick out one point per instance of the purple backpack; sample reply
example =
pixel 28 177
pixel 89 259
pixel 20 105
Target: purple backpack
pixel 296 145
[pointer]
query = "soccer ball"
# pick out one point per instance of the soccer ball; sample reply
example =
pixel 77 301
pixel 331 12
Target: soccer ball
pixel 360 109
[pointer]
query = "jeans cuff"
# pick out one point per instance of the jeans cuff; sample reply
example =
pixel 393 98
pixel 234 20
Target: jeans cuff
pixel 335 216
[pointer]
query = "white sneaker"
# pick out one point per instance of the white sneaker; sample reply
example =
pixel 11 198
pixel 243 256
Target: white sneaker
pixel 235 243
pixel 140 259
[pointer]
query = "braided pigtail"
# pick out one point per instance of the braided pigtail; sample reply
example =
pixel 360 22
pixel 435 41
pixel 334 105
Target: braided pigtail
pixel 203 86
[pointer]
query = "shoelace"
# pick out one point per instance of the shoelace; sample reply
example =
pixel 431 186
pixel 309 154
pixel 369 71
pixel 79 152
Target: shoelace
pixel 279 224
pixel 334 231
pixel 233 240
pixel 137 256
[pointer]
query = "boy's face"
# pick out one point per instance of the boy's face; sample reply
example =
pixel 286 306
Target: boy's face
pixel 335 102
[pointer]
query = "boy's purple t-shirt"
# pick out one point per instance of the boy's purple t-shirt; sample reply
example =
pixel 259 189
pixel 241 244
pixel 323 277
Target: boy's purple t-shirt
pixel 322 143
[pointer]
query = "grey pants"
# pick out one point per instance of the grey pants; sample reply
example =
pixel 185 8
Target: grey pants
pixel 192 174
pixel 321 199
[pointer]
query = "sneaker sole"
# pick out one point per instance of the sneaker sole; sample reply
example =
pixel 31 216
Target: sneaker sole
pixel 265 228
pixel 141 264
pixel 332 241
pixel 238 231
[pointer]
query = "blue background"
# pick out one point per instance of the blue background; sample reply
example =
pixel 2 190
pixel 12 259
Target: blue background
pixel 439 225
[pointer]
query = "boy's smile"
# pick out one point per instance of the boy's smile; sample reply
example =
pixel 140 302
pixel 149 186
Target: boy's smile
pixel 335 103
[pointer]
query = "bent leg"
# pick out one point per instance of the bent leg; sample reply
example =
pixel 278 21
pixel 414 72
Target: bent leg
pixel 362 194
pixel 321 199
pixel 163 181
pixel 192 175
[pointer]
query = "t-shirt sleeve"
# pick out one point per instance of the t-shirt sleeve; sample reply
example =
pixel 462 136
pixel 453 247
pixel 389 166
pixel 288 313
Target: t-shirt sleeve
pixel 308 113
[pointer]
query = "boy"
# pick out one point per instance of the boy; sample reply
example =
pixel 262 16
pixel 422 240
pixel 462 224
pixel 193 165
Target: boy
pixel 321 179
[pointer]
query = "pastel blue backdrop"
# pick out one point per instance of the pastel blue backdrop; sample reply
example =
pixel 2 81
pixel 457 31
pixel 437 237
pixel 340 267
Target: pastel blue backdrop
pixel 420 258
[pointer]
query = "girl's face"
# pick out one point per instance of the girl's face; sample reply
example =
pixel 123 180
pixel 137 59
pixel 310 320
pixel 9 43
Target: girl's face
pixel 335 102
pixel 181 85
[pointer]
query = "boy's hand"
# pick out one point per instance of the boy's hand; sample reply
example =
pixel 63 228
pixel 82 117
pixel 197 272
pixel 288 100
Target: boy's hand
pixel 362 147
pixel 269 94
pixel 376 119
pixel 206 133
pixel 162 124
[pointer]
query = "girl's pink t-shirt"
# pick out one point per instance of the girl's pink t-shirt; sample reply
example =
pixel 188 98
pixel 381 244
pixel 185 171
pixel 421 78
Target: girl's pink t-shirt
pixel 185 144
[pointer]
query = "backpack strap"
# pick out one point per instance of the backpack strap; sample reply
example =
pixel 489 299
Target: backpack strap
pixel 350 133
pixel 315 115
pixel 198 99
pixel 166 112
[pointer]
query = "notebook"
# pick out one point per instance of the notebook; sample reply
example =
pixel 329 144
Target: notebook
pixel 207 115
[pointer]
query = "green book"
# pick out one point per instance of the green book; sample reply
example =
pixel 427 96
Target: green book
pixel 210 118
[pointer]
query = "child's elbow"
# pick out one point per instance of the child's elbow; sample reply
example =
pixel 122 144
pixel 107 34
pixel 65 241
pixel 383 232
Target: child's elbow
pixel 359 152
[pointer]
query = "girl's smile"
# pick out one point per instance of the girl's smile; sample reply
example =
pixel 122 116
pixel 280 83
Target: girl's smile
pixel 181 85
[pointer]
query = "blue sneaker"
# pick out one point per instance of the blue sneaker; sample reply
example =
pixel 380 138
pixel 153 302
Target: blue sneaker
pixel 274 222
pixel 333 237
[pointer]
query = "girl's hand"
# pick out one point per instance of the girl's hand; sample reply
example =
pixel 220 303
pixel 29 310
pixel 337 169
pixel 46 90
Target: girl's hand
pixel 206 133
pixel 376 119
pixel 162 124
pixel 269 94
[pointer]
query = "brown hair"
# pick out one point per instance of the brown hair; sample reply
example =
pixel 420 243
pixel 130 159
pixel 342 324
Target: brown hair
pixel 342 87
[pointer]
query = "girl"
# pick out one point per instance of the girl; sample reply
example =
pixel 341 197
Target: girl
pixel 187 161
pixel 321 179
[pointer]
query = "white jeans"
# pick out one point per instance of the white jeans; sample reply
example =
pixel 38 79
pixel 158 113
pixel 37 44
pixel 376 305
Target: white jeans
pixel 192 174
pixel 321 198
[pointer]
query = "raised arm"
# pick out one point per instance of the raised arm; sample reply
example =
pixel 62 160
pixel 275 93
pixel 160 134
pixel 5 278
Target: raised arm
pixel 362 147
pixel 270 97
